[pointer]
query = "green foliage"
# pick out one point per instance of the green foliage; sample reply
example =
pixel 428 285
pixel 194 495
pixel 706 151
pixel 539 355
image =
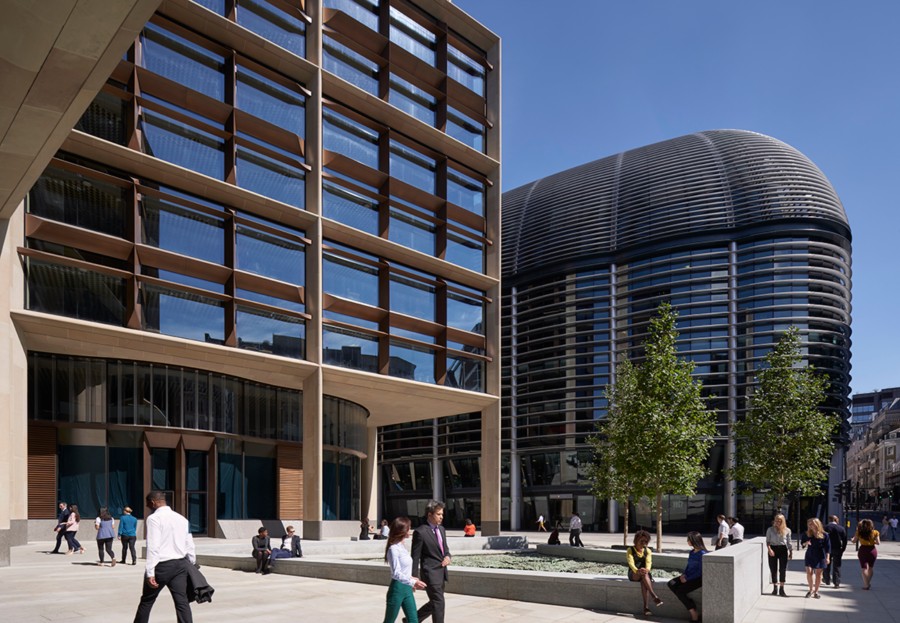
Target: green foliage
pixel 658 431
pixel 785 443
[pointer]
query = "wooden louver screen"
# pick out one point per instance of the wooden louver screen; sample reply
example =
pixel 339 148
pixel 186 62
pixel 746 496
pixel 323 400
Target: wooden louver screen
pixel 41 472
pixel 290 482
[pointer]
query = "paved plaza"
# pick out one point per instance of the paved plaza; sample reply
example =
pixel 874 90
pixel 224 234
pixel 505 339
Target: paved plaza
pixel 40 587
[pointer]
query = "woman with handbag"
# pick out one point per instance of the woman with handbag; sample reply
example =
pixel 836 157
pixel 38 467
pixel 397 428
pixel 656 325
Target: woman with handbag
pixel 778 542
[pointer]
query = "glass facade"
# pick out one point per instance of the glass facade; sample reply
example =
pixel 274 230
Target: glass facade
pixel 184 206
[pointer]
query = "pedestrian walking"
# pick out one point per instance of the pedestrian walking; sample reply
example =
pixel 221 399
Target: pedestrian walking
pixel 403 583
pixel 106 532
pixel 540 523
pixel 778 542
pixel 722 534
pixel 818 554
pixel 640 563
pixel 575 525
pixel 128 534
pixel 61 519
pixel 72 524
pixel 893 523
pixel 692 578
pixel 868 539
pixel 838 537
pixel 170 548
pixel 430 559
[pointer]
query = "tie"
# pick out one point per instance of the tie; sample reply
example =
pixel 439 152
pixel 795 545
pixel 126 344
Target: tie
pixel 437 535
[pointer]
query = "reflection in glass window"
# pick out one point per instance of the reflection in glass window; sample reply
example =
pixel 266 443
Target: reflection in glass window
pixel 79 200
pixel 265 299
pixel 269 332
pixel 465 373
pixel 216 6
pixel 344 136
pixel 350 65
pixel 269 255
pixel 412 231
pixel 465 252
pixel 349 208
pixel 266 99
pixel 412 297
pixel 349 349
pixel 270 177
pixel 465 129
pixel 412 167
pixel 363 11
pixel 349 279
pixel 465 313
pixel 182 61
pixel 167 225
pixel 181 144
pixel 465 191
pixel 412 100
pixel 104 118
pixel 273 24
pixel 172 312
pixel 465 70
pixel 73 292
pixel 412 362
pixel 412 36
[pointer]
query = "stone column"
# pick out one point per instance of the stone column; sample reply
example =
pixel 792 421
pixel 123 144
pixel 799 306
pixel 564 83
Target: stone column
pixel 490 470
pixel 369 493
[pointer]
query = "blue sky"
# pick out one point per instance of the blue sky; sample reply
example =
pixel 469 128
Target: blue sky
pixel 584 79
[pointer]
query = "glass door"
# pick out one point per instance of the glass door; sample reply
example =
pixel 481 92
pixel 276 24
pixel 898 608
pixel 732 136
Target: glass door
pixel 196 463
pixel 162 473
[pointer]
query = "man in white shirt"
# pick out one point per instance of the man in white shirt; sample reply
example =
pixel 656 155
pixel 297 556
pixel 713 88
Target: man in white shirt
pixel 169 542
pixel 722 536
pixel 575 525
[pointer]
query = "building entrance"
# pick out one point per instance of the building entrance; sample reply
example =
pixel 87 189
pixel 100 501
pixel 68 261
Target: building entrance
pixel 179 467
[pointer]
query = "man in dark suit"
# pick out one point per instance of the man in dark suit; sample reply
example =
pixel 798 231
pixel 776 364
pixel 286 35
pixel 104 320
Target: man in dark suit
pixel 838 537
pixel 60 528
pixel 430 557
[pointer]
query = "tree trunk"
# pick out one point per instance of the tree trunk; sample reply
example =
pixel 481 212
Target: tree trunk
pixel 625 527
pixel 659 547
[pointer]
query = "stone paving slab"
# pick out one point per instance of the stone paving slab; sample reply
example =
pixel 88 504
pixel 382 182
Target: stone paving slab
pixel 40 588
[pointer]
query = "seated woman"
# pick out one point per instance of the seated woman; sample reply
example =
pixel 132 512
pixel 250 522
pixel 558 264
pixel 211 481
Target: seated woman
pixel 554 536
pixel 692 578
pixel 640 562
pixel 262 551
pixel 469 528
pixel 383 531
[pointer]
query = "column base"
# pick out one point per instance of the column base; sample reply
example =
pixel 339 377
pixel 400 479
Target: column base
pixel 313 530
pixel 490 528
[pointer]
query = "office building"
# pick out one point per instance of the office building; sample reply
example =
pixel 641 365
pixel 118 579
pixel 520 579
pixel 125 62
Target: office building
pixel 741 233
pixel 243 235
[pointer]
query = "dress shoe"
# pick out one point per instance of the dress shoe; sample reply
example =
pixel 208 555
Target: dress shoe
pixel 781 591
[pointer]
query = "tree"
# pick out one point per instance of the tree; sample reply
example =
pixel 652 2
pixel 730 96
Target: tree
pixel 785 443
pixel 611 471
pixel 658 431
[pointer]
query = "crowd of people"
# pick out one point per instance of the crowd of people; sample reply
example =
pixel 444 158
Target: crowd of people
pixel 68 522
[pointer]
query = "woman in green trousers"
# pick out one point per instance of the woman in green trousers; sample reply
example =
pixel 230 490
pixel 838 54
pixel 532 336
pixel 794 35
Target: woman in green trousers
pixel 400 592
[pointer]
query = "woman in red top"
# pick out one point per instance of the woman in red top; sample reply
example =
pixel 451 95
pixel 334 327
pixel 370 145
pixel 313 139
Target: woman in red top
pixel 469 530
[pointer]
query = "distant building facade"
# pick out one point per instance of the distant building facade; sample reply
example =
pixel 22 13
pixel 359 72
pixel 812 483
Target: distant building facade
pixel 741 233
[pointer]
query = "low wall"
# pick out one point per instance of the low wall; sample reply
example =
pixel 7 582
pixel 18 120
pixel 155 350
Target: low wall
pixel 733 579
pixel 594 592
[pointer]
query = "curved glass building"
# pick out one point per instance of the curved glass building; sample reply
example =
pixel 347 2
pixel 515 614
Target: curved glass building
pixel 739 231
